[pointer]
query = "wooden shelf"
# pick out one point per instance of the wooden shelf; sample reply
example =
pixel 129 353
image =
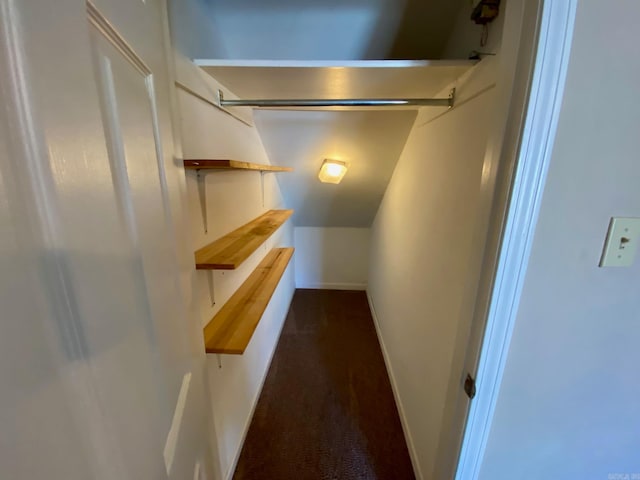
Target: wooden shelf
pixel 230 330
pixel 228 252
pixel 197 164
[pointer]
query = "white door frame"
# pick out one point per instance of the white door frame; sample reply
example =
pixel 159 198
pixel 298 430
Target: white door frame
pixel 554 42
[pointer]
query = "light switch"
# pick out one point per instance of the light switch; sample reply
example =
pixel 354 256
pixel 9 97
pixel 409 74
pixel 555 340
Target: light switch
pixel 622 242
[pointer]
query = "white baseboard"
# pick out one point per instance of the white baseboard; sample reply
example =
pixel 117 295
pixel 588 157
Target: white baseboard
pixel 254 402
pixel 396 395
pixel 332 286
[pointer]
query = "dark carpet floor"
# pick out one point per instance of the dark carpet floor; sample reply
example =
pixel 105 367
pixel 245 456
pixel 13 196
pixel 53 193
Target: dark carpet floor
pixel 326 410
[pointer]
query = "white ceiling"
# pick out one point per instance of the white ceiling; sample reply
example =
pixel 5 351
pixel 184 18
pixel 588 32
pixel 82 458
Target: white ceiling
pixel 370 142
pixel 280 42
pixel 329 29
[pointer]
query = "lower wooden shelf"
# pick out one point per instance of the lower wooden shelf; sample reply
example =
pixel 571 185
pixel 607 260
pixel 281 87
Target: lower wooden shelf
pixel 230 330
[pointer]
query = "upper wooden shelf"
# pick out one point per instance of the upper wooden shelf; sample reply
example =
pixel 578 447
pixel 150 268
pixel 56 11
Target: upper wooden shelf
pixel 230 330
pixel 228 252
pixel 197 164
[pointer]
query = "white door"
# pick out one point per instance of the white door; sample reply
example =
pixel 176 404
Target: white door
pixel 101 359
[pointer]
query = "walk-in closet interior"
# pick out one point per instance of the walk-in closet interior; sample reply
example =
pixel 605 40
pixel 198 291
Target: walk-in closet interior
pixel 399 99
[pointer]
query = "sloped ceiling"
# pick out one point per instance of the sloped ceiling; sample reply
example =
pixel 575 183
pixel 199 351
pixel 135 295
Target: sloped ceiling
pixel 370 142
pixel 330 29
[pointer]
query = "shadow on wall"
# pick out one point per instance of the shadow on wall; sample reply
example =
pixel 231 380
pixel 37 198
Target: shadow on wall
pixel 327 29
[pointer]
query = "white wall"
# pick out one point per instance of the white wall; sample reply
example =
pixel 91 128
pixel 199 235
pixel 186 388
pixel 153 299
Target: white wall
pixel 421 247
pixel 232 199
pixel 332 258
pixel 568 404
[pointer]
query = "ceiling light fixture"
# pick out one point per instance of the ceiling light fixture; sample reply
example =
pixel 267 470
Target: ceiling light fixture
pixel 332 171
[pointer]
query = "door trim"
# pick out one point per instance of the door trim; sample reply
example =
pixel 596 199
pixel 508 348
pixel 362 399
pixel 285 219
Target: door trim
pixel 545 99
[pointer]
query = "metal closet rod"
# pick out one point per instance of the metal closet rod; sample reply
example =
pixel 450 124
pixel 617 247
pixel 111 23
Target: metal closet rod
pixel 340 102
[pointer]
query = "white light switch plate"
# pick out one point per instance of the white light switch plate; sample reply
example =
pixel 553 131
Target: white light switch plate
pixel 622 242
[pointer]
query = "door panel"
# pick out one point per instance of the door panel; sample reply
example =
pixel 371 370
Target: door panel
pixel 34 385
pixel 95 355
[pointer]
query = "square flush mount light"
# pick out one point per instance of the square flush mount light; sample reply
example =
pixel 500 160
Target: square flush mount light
pixel 332 171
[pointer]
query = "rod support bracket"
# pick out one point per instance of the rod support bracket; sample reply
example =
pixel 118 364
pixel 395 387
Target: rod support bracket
pixel 452 97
